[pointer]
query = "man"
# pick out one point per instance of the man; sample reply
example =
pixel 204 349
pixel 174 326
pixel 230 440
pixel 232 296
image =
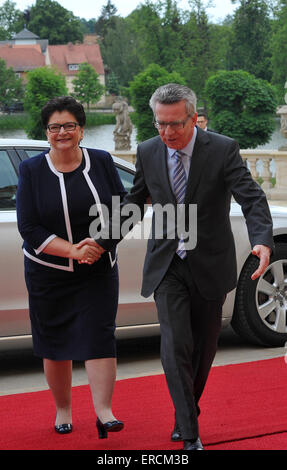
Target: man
pixel 202 121
pixel 190 285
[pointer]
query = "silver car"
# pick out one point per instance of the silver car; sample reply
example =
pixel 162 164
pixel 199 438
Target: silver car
pixel 256 309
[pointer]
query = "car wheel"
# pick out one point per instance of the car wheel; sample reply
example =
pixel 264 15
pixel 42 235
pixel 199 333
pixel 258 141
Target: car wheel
pixel 260 313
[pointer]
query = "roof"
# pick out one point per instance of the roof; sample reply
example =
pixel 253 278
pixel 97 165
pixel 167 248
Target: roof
pixel 22 58
pixel 65 55
pixel 25 34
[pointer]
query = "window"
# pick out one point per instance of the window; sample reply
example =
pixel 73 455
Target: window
pixel 74 67
pixel 8 182
pixel 127 178
pixel 33 153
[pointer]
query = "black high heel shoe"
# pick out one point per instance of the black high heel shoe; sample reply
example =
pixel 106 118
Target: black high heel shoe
pixel 110 426
pixel 63 428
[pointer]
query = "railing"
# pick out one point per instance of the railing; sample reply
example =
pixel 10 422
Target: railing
pixel 268 167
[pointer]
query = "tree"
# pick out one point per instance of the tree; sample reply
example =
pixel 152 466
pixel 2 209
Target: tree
pixel 106 19
pixel 159 32
pixel 279 50
pixel 141 89
pixel 11 88
pixel 49 20
pixel 87 88
pixel 11 20
pixel 195 51
pixel 156 27
pixel 251 38
pixel 119 50
pixel 88 26
pixel 44 83
pixel 242 107
pixel 113 84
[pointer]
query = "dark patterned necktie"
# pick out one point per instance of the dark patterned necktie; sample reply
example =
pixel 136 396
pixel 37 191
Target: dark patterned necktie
pixel 179 184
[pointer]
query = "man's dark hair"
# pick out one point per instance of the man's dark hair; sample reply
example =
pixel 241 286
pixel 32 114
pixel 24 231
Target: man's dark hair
pixel 202 113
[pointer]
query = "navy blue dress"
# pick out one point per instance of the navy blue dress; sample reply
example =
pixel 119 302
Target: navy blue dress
pixel 72 306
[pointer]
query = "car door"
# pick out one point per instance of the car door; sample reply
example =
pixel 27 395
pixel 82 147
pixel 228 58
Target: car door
pixel 14 318
pixel 133 308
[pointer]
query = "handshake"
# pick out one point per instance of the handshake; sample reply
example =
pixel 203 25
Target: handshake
pixel 87 251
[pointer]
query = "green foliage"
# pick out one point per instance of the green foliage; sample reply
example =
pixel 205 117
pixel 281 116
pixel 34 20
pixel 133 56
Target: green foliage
pixel 11 20
pixel 106 18
pixel 159 32
pixel 250 45
pixel 44 83
pixel 49 20
pixel 13 121
pixel 87 88
pixel 18 121
pixel 99 119
pixel 195 60
pixel 113 84
pixel 119 50
pixel 141 89
pixel 242 107
pixel 11 88
pixel 279 50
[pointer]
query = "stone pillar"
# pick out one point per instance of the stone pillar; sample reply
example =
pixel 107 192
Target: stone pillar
pixel 266 174
pixel 252 166
pixel 280 190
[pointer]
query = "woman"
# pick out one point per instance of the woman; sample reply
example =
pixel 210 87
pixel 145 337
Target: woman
pixel 72 299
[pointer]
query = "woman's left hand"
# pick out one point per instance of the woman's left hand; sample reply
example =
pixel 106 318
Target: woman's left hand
pixel 92 249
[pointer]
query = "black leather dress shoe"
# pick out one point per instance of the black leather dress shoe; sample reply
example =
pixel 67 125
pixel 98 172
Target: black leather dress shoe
pixel 176 434
pixel 193 445
pixel 63 428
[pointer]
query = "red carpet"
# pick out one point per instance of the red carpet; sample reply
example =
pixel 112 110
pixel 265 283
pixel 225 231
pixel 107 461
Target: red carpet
pixel 244 407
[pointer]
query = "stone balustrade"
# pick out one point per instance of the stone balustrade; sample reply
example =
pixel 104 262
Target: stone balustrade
pixel 269 167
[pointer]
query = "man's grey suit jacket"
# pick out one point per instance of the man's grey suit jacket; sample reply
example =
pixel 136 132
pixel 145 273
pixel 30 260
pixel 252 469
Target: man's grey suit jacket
pixel 216 173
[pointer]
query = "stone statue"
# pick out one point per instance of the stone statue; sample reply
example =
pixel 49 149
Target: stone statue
pixel 123 129
pixel 282 112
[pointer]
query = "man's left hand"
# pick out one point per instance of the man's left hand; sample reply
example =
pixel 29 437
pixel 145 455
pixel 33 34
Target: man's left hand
pixel 263 253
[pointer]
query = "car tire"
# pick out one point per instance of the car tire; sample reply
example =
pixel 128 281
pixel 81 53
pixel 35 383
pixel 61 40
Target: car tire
pixel 260 312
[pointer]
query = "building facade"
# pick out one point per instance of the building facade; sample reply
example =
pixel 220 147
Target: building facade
pixel 26 51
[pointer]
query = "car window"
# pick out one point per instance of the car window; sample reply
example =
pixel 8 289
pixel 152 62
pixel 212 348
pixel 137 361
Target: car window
pixel 33 153
pixel 8 182
pixel 127 178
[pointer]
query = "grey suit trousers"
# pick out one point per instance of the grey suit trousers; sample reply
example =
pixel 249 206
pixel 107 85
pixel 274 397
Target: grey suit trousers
pixel 190 327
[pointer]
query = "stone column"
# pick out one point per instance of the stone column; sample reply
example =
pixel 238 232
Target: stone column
pixel 280 190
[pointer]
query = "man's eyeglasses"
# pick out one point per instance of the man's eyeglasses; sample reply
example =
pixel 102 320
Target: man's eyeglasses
pixel 175 125
pixel 68 126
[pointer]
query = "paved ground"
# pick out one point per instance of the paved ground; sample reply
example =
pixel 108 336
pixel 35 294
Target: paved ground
pixel 21 372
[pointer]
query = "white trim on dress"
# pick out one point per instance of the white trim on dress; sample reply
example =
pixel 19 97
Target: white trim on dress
pixel 45 263
pixel 44 244
pixel 60 175
pixel 96 197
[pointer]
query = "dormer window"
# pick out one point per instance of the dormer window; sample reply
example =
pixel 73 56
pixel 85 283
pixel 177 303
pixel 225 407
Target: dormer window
pixel 73 67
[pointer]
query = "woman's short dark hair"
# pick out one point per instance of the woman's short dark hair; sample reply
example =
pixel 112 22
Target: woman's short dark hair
pixel 63 103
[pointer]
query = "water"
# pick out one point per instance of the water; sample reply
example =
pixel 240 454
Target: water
pixel 102 137
pixel 277 139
